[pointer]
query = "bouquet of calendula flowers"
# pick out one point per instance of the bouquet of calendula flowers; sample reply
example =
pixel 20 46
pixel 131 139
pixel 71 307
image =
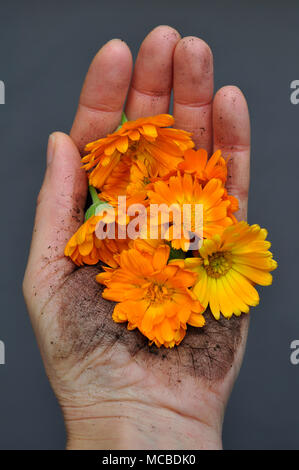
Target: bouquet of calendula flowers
pixel 163 225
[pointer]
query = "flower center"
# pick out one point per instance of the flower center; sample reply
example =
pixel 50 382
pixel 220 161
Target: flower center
pixel 158 293
pixel 132 149
pixel 218 264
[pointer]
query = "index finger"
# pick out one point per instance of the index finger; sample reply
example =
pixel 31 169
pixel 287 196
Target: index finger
pixel 103 93
pixel 152 79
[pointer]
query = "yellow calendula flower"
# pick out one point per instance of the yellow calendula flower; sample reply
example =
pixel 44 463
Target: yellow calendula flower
pixel 152 295
pixel 149 140
pixel 228 267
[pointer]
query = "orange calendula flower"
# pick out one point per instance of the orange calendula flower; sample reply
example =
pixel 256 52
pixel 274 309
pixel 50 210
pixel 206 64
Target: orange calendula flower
pixel 130 178
pixel 233 207
pixel 196 162
pixel 153 296
pixel 149 140
pixel 180 199
pixel 85 247
pixel 117 182
pixel 228 267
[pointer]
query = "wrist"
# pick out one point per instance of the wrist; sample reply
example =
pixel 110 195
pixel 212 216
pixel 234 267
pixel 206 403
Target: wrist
pixel 122 427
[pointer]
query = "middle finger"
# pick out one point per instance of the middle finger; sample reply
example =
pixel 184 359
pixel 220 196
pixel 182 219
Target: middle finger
pixel 151 86
pixel 193 90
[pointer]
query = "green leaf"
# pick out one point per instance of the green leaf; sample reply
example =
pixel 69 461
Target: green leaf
pixel 96 209
pixel 177 254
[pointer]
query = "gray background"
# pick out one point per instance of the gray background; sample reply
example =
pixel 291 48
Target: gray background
pixel 45 50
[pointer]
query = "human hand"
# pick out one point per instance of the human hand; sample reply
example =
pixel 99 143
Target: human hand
pixel 115 391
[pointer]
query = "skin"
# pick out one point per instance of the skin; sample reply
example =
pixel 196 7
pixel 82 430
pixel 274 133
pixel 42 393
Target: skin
pixel 115 391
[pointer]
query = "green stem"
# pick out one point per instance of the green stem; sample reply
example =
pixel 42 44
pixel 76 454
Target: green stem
pixel 94 195
pixel 123 118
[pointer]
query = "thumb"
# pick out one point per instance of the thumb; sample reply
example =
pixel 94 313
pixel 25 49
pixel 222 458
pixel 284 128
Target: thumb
pixel 59 213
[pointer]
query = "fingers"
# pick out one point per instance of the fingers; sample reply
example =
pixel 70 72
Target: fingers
pixel 193 90
pixel 59 213
pixel 232 135
pixel 152 79
pixel 103 93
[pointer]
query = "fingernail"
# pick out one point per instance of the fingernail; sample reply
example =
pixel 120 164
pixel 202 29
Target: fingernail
pixel 51 148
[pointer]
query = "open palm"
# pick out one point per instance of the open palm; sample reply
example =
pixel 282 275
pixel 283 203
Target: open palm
pixel 116 391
